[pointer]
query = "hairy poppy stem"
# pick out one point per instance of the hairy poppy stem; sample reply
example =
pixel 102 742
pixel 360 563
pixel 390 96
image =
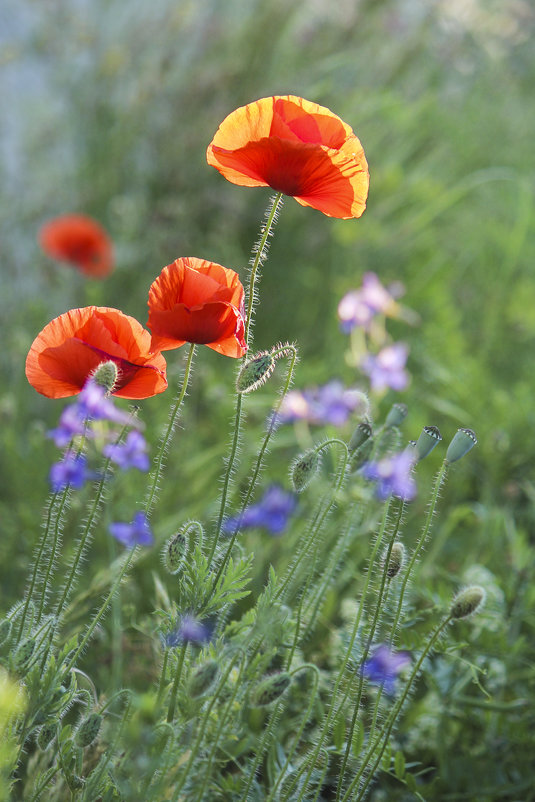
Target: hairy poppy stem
pixel 178 674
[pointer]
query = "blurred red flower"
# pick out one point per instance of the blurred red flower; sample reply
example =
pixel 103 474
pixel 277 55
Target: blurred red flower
pixel 70 348
pixel 79 240
pixel 295 147
pixel 195 301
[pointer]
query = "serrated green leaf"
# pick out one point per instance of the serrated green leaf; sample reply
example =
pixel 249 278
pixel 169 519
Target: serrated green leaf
pixel 399 764
pixel 358 738
pixel 339 731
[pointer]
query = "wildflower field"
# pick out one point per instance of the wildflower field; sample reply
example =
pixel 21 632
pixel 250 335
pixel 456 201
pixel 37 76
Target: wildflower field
pixel 267 401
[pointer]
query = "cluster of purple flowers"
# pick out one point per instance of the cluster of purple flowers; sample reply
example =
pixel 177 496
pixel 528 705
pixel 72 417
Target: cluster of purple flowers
pixel 189 630
pixel 272 512
pixel 384 665
pixel 358 307
pixel 387 368
pixel 330 404
pixel 393 475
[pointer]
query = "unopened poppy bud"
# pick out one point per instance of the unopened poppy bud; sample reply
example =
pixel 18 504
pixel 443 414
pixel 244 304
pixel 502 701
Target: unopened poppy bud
pixel 395 562
pixel 255 372
pixel 463 441
pixel 75 782
pixel 23 654
pixel 5 630
pixel 270 689
pixel 362 454
pixel 47 733
pixel 202 678
pixel 173 552
pixel 106 375
pixel 362 433
pixel 88 729
pixel 428 439
pixel 396 416
pixel 304 469
pixel 467 602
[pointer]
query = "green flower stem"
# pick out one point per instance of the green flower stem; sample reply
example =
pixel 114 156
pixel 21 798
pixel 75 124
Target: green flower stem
pixel 258 464
pixel 369 640
pixel 178 674
pixel 154 479
pixel 441 475
pixel 260 251
pixel 161 686
pixel 389 724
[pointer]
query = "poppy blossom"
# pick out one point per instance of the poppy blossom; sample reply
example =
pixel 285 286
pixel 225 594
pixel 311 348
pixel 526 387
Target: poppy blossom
pixel 72 346
pixel 79 240
pixel 195 301
pixel 295 147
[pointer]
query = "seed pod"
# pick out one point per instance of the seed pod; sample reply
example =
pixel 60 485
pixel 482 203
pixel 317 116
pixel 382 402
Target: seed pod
pixel 396 416
pixel 463 441
pixel 23 654
pixel 362 433
pixel 255 372
pixel 270 689
pixel 106 375
pixel 467 602
pixel 395 563
pixel 429 438
pixel 88 729
pixel 202 678
pixel 47 733
pixel 5 630
pixel 304 469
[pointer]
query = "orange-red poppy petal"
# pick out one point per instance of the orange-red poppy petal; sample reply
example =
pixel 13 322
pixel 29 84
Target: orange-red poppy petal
pixel 68 350
pixel 80 241
pixel 295 147
pixel 197 301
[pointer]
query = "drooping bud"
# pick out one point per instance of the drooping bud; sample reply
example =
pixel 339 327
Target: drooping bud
pixel 428 439
pixel 463 441
pixel 467 602
pixel 5 630
pixel 270 689
pixel 396 416
pixel 362 454
pixel 88 729
pixel 395 562
pixel 105 375
pixel 179 544
pixel 47 733
pixel 304 469
pixel 362 433
pixel 255 372
pixel 23 655
pixel 202 678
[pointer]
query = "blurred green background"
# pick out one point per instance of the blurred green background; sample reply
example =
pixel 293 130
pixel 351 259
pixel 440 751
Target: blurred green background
pixel 108 107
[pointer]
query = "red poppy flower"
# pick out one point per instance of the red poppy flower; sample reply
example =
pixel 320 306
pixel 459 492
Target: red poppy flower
pixel 295 147
pixel 69 349
pixel 79 240
pixel 194 301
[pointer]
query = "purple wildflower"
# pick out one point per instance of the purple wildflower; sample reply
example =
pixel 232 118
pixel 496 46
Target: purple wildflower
pixel 137 533
pixel 71 423
pixel 393 475
pixel 189 630
pixel 130 454
pixel 384 665
pixel 94 403
pixel 271 512
pixel 358 307
pixel 386 369
pixel 71 470
pixel 332 403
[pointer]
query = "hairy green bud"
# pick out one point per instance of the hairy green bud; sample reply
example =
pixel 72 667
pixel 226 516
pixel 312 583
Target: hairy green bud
pixel 47 733
pixel 362 433
pixel 202 678
pixel 467 602
pixel 304 469
pixel 463 441
pixel 396 416
pixel 270 689
pixel 88 729
pixel 174 552
pixel 105 375
pixel 23 655
pixel 255 372
pixel 429 438
pixel 395 562
pixel 5 630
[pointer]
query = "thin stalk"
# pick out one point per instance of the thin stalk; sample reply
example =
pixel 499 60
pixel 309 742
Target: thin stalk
pixel 178 674
pixel 161 686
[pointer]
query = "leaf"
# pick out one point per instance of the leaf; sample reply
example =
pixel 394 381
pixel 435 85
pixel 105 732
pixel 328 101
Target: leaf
pixel 399 764
pixel 339 731
pixel 358 738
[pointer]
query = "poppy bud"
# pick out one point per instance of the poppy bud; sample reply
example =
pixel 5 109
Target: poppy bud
pixel 304 469
pixel 362 454
pixel 362 433
pixel 47 733
pixel 23 654
pixel 428 439
pixel 173 552
pixel 396 416
pixel 467 602
pixel 463 441
pixel 5 630
pixel 202 678
pixel 270 689
pixel 88 729
pixel 255 372
pixel 106 375
pixel 395 562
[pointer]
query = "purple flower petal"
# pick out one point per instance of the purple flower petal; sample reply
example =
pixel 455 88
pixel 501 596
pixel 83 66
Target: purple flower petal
pixel 130 454
pixel 137 533
pixel 272 512
pixel 71 470
pixel 384 665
